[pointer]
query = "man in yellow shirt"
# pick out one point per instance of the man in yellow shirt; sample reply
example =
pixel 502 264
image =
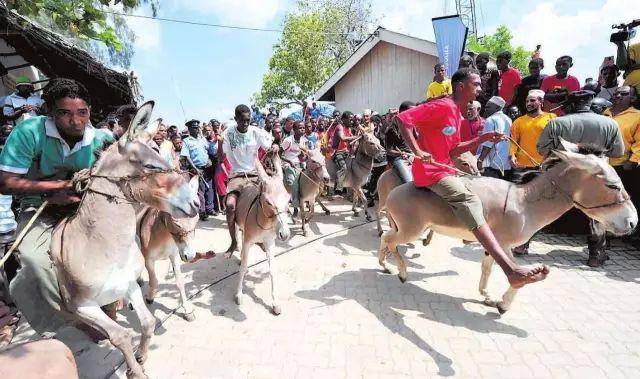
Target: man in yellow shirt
pixel 440 85
pixel 526 131
pixel 628 119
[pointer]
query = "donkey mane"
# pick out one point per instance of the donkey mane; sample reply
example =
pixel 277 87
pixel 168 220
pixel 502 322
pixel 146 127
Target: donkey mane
pixel 583 149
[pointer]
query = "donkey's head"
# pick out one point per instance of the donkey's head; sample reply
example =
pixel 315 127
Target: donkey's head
pixel 274 198
pixel 369 145
pixel 595 188
pixel 142 174
pixel 317 166
pixel 468 163
pixel 182 229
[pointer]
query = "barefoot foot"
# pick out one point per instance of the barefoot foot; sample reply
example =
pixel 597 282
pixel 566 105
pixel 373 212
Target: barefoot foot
pixel 522 276
pixel 208 255
pixel 229 253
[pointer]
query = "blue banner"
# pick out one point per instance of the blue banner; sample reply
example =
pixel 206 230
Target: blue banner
pixel 451 36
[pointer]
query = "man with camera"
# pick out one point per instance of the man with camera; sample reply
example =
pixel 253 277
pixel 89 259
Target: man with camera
pixel 628 58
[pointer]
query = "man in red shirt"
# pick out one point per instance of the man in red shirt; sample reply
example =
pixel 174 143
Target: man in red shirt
pixel 438 124
pixel 509 78
pixel 561 81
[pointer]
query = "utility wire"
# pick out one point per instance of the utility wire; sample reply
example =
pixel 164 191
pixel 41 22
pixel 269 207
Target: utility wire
pixel 236 27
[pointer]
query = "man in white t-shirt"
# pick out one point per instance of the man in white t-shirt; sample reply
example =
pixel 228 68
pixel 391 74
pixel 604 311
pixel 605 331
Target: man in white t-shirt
pixel 240 145
pixel 22 104
pixel 292 147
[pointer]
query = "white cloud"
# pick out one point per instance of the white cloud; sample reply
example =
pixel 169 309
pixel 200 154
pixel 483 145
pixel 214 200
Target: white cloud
pixel 250 13
pixel 411 17
pixel 148 31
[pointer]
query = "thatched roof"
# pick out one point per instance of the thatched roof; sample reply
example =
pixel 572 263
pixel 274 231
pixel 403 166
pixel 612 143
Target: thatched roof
pixel 56 57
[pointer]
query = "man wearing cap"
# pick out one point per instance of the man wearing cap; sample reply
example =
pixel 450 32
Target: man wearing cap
pixel 22 104
pixel 581 126
pixel 195 150
pixel 438 125
pixel 496 153
pixel 526 131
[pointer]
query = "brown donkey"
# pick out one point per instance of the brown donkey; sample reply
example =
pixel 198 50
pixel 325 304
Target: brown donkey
pixel 96 252
pixel 571 178
pixel 311 182
pixel 262 216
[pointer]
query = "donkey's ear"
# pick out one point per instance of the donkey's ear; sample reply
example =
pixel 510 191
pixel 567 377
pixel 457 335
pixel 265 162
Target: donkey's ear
pixel 149 131
pixel 568 146
pixel 581 161
pixel 138 123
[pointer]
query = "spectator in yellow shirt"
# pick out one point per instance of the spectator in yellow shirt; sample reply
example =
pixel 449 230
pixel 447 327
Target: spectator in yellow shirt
pixel 526 131
pixel 628 119
pixel 440 85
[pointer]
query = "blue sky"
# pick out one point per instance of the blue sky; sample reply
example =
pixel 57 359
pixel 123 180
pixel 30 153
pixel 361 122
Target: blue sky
pixel 212 70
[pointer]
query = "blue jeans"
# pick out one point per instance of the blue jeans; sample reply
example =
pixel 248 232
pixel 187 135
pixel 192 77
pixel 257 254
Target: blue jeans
pixel 402 168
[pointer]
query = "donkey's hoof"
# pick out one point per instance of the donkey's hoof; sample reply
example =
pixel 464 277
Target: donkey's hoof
pixel 141 358
pixel 304 233
pixel 356 214
pixel 149 301
pixel 327 213
pixel 191 316
pixel 425 242
pixel 276 310
pixel 368 218
pixel 501 309
pixel 238 299
pixel 136 375
pixel 403 279
pixel 130 306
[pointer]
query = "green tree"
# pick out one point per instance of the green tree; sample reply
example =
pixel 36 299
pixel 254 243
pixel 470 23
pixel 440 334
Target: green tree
pixel 317 38
pixel 498 42
pixel 88 23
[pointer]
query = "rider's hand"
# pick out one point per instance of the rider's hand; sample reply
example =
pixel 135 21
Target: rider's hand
pixel 423 156
pixel 514 162
pixel 492 137
pixel 63 197
pixel 480 165
pixel 275 148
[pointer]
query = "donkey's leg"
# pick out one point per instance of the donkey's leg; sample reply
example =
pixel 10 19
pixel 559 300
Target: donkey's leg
pixel 507 300
pixel 303 219
pixel 363 198
pixel 184 300
pixel 378 212
pixel 487 265
pixel 150 264
pixel 354 202
pixel 118 336
pixel 273 272
pixel 325 209
pixel 244 258
pixel 382 255
pixel 147 321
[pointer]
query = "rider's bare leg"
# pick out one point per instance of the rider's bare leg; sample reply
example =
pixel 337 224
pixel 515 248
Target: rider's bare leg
pixel 230 205
pixel 517 275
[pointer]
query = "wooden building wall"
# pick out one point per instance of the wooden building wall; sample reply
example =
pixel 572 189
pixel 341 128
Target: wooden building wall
pixel 385 77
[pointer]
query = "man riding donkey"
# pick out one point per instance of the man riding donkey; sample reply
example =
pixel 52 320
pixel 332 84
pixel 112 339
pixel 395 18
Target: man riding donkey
pixel 438 125
pixel 240 145
pixel 36 164
pixel 292 148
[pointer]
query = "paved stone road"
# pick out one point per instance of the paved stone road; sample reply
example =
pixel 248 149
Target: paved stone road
pixel 343 318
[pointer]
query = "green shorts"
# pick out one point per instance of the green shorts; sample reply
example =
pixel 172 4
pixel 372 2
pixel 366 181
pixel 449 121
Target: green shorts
pixel 466 205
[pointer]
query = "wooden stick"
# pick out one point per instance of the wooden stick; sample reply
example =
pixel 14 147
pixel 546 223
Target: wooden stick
pixel 23 233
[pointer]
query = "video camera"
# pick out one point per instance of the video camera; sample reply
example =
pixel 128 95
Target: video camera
pixel 626 33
